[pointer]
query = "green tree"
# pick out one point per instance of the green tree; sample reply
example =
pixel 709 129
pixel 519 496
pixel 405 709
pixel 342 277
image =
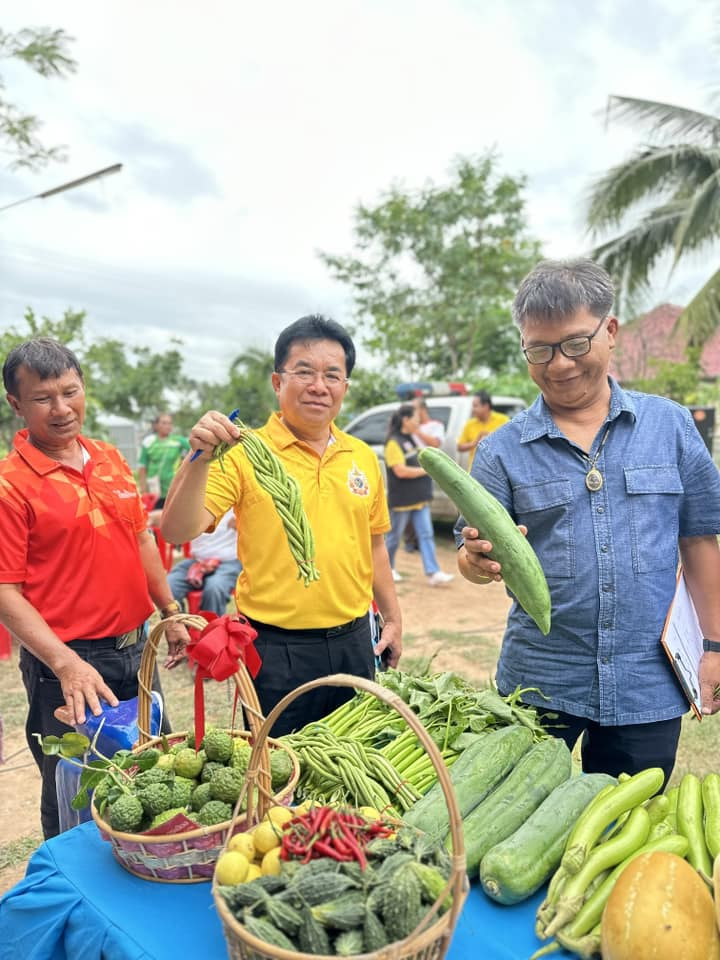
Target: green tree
pixel 127 381
pixel 435 271
pixel 133 381
pixel 46 52
pixel 665 201
pixel 247 388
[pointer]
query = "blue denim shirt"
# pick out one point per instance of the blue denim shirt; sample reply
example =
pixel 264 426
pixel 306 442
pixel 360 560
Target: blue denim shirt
pixel 610 557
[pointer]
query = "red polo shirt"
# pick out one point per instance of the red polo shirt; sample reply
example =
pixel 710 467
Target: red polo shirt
pixel 70 539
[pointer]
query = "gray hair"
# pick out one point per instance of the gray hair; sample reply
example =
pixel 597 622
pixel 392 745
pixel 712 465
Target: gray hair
pixel 47 358
pixel 557 289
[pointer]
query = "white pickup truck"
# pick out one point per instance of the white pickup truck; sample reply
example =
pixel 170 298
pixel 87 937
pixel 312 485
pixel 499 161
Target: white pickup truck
pixel 453 411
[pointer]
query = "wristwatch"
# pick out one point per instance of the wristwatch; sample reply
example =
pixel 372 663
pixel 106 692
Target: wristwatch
pixel 169 609
pixel 711 646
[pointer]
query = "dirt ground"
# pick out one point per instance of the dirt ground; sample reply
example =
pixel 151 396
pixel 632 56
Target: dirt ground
pixel 459 625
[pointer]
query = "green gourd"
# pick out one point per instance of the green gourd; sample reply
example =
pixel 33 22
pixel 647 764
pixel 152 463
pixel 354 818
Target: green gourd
pixel 516 867
pixel 521 568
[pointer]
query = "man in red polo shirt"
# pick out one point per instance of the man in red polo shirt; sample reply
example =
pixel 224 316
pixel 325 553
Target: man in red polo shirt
pixel 78 567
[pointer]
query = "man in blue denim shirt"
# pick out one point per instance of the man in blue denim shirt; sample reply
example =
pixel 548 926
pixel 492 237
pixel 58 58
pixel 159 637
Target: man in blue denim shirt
pixel 614 487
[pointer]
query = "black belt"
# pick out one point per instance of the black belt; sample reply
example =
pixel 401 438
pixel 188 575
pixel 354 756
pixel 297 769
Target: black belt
pixel 118 642
pixel 314 631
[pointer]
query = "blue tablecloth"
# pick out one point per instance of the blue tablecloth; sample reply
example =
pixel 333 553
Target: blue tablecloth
pixel 76 901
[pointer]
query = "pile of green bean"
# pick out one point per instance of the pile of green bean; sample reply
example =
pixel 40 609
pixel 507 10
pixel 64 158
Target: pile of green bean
pixel 341 770
pixel 272 476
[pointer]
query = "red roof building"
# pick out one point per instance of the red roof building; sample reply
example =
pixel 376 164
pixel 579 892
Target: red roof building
pixel 652 337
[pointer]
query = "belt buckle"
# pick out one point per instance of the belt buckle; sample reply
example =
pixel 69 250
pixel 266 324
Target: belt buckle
pixel 128 639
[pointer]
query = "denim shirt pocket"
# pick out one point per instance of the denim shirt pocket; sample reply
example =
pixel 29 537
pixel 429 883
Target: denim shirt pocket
pixel 545 508
pixel 653 497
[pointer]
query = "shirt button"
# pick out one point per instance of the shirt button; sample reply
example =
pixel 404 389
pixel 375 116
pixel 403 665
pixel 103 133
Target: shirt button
pixel 604 548
pixel 607 625
pixel 605 660
pixel 607 587
pixel 601 509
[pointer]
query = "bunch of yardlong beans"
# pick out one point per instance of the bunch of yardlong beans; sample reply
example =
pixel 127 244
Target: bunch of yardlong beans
pixel 272 476
pixel 366 719
pixel 342 770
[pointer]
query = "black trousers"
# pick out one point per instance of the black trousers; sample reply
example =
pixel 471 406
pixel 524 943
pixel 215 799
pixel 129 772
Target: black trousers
pixel 293 657
pixel 118 669
pixel 622 749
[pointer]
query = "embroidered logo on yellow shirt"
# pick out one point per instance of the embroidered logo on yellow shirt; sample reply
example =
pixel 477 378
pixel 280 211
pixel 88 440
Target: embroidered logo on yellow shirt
pixel 357 482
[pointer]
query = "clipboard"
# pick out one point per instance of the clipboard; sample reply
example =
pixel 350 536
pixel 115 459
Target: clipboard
pixel 682 641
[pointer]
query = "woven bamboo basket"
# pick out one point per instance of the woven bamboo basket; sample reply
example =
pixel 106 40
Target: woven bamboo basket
pixel 190 857
pixel 431 938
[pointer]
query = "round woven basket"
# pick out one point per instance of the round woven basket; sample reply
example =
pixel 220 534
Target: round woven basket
pixel 431 938
pixel 190 857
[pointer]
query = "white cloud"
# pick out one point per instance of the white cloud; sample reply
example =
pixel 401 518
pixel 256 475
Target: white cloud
pixel 249 132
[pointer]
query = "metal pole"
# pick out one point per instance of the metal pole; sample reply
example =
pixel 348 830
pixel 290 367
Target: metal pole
pixel 71 184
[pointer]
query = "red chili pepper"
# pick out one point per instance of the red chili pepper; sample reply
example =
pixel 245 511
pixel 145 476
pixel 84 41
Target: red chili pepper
pixel 324 848
pixel 352 842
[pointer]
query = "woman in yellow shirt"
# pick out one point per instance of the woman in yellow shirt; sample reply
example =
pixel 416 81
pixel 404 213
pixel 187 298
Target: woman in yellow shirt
pixel 409 494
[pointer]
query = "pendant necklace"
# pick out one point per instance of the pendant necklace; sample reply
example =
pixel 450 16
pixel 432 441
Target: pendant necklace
pixel 593 478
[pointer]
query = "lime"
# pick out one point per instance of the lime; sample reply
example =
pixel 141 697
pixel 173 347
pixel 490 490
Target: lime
pixel 266 837
pixel 271 863
pixel 231 868
pixel 243 843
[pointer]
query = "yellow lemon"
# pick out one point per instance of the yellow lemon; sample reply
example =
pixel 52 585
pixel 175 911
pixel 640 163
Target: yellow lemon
pixel 370 813
pixel 266 837
pixel 231 868
pixel 253 873
pixel 279 815
pixel 302 808
pixel 243 843
pixel 271 863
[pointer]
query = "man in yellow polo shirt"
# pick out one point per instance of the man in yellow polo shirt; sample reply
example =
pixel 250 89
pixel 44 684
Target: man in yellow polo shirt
pixel 484 421
pixel 303 632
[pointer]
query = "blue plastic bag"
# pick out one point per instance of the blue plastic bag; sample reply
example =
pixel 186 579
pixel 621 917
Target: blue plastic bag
pixel 119 732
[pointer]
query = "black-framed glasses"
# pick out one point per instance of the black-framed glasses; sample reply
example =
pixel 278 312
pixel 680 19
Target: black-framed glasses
pixel 571 348
pixel 307 375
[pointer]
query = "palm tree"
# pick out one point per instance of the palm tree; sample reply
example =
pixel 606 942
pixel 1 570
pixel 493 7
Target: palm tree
pixel 672 188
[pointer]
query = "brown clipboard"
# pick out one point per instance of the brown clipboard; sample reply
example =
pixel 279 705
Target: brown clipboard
pixel 681 640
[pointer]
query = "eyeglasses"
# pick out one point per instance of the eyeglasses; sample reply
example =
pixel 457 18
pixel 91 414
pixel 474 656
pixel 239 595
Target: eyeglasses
pixel 307 376
pixel 572 347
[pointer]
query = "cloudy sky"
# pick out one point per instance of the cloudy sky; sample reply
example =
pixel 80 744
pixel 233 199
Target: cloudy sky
pixel 249 132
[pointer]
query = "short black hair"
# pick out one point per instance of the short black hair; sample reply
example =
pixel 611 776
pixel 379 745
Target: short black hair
pixel 314 327
pixel 46 357
pixel 557 289
pixel 484 397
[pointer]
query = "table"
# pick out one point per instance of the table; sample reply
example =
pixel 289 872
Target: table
pixel 77 901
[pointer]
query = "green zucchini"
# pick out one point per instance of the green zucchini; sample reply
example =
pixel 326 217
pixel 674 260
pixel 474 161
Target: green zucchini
pixel 521 568
pixel 516 867
pixel 500 814
pixel 474 774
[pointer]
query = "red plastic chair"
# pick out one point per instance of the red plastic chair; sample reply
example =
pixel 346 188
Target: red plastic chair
pixel 194 599
pixel 166 550
pixel 5 643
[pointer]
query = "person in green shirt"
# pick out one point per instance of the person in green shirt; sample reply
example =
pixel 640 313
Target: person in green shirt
pixel 160 456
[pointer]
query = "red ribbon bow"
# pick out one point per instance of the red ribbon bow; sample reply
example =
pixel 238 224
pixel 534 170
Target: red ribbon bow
pixel 216 651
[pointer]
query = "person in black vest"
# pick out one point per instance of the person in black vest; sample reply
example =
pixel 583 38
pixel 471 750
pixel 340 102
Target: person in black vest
pixel 409 494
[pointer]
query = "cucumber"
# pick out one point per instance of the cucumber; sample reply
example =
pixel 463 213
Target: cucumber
pixel 516 867
pixel 711 812
pixel 521 568
pixel 500 814
pixel 474 774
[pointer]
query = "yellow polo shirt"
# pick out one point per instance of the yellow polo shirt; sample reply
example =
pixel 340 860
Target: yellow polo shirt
pixel 475 430
pixel 345 503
